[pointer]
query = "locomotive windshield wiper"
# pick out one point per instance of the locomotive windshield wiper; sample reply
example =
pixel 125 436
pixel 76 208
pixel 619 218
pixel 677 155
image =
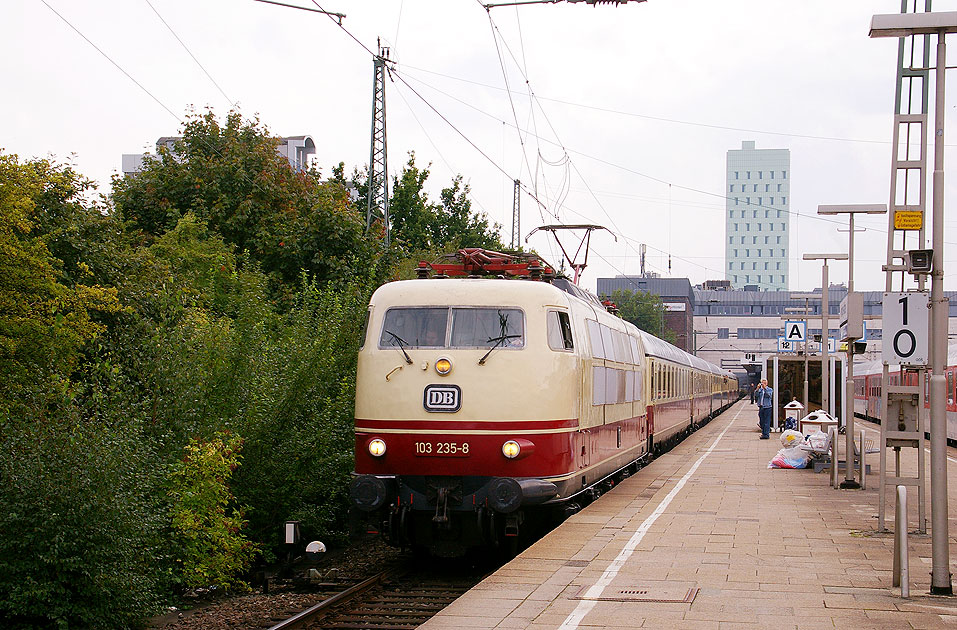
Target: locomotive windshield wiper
pixel 498 341
pixel 402 343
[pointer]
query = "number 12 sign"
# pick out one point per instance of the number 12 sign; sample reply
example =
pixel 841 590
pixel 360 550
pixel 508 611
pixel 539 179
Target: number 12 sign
pixel 905 320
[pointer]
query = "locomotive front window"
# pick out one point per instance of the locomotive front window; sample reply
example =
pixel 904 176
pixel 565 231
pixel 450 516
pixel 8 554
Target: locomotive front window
pixel 427 327
pixel 415 327
pixel 481 327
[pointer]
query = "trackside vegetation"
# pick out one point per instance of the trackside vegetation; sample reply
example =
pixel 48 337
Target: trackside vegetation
pixel 177 365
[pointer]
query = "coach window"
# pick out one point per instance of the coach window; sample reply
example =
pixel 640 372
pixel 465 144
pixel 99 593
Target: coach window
pixel 559 331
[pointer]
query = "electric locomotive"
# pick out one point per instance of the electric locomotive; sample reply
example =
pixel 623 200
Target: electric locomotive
pixel 484 404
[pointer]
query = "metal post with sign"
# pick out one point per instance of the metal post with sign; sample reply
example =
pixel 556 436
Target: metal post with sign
pixel 902 404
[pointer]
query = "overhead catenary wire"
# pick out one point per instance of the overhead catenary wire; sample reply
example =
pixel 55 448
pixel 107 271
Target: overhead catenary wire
pixel 753 205
pixel 608 110
pixel 155 98
pixel 435 146
pixel 533 103
pixel 366 48
pixel 192 56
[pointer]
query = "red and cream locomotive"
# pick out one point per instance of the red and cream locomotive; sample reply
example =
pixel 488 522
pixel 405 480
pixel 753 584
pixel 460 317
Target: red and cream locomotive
pixel 483 404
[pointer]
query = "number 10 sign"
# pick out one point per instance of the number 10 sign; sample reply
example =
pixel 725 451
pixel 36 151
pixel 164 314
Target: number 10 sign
pixel 905 328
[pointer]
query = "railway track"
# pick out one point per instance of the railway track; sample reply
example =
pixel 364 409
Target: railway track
pixel 392 600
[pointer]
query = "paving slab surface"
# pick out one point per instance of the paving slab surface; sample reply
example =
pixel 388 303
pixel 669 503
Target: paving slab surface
pixel 707 537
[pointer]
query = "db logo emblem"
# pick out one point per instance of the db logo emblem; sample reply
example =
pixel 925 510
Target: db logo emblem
pixel 445 398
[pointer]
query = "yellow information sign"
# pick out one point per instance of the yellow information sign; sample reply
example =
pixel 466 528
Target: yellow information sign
pixel 908 219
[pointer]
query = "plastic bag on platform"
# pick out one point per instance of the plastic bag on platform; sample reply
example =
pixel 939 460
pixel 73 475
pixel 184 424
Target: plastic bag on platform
pixel 818 440
pixel 794 457
pixel 791 438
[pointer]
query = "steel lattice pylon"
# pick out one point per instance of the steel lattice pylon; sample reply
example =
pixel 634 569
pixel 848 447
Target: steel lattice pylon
pixel 378 196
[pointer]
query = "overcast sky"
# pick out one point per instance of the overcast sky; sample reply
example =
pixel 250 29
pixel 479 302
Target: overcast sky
pixel 636 105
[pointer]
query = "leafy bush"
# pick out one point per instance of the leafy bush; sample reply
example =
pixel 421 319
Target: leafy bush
pixel 212 549
pixel 80 526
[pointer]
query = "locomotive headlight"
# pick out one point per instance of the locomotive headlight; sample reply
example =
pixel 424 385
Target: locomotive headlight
pixel 511 449
pixel 377 447
pixel 443 366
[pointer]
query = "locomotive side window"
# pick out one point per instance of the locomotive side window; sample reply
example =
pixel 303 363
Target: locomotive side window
pixel 598 385
pixel 365 329
pixel 559 330
pixel 479 327
pixel 414 327
pixel 594 336
pixel 608 342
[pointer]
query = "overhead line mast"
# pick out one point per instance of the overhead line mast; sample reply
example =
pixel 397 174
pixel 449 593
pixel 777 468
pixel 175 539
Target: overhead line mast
pixel 378 195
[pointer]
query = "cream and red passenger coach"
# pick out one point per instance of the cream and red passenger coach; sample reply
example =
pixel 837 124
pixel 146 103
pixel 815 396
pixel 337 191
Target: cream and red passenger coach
pixel 482 404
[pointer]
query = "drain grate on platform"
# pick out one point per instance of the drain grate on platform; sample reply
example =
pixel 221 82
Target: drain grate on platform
pixel 577 563
pixel 656 594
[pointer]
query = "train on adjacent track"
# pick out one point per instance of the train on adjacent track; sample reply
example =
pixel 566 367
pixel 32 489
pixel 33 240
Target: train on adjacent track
pixel 484 405
pixel 867 390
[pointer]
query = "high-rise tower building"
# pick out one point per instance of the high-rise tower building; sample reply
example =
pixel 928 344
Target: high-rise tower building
pixel 758 217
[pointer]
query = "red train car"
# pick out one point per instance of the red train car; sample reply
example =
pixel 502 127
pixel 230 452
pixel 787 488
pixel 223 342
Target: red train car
pixel 867 390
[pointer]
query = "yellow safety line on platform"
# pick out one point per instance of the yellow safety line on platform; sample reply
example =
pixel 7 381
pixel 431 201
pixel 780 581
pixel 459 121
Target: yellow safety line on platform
pixel 585 605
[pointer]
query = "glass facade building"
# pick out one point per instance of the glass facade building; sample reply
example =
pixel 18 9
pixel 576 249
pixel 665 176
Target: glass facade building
pixel 757 221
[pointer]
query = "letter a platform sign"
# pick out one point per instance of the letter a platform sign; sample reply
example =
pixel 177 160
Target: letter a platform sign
pixel 905 322
pixel 795 331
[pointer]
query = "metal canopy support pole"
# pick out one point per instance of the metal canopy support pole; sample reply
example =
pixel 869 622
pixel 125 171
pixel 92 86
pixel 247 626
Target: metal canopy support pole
pixel 825 364
pixel 849 481
pixel 776 389
pixel 940 583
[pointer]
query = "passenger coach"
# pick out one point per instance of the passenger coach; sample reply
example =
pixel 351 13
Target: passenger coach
pixel 485 404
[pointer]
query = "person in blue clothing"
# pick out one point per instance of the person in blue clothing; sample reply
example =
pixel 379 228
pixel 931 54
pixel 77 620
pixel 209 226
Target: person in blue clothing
pixel 764 396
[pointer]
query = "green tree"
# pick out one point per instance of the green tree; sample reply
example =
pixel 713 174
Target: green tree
pixel 422 225
pixel 212 548
pixel 231 177
pixel 45 318
pixel 644 310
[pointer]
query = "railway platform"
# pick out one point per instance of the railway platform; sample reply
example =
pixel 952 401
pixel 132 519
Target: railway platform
pixel 707 537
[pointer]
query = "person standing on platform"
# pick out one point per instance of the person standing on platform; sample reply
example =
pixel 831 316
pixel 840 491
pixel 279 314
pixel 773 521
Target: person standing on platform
pixel 765 397
pixel 751 392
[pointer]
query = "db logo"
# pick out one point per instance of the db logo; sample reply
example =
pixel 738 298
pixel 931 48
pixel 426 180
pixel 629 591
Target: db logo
pixel 444 398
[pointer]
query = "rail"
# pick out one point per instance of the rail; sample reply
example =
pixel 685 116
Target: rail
pixel 298 620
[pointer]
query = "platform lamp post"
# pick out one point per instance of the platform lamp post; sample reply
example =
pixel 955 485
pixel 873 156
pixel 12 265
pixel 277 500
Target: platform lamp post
pixel 850 210
pixel 905 25
pixel 825 307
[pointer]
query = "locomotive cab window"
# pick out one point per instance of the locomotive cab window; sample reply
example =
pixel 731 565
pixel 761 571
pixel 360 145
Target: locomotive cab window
pixel 559 330
pixel 423 327
pixel 480 327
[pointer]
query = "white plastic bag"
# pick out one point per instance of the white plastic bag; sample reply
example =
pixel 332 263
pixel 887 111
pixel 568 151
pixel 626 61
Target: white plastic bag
pixel 791 438
pixel 817 440
pixel 794 457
